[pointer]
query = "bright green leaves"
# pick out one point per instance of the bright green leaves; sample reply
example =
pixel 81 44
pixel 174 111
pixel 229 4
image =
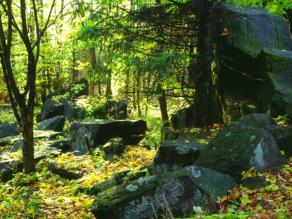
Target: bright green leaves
pixel 273 6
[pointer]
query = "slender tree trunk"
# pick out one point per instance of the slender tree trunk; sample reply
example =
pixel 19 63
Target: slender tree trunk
pixel 94 69
pixel 207 106
pixel 134 96
pixel 163 105
pixel 127 86
pixel 108 91
pixel 75 73
pixel 138 80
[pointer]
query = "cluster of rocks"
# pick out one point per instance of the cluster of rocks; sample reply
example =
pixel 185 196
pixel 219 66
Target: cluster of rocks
pixel 111 135
pixel 188 173
pixel 61 106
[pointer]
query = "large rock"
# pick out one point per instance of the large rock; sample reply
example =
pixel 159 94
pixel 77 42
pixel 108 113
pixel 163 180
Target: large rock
pixel 255 62
pixel 152 196
pixel 251 29
pixel 56 124
pixel 38 134
pixel 114 146
pixel 61 102
pixel 51 109
pixel 115 109
pixel 8 129
pixel 283 138
pixel 175 154
pixel 118 179
pixel 63 172
pixel 10 167
pixel 183 118
pixel 278 87
pixel 72 112
pixel 282 135
pixel 87 136
pixel 63 145
pixel 239 147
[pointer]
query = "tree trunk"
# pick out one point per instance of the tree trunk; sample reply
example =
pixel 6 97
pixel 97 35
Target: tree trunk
pixel 138 79
pixel 108 91
pixel 28 146
pixel 134 96
pixel 163 105
pixel 289 16
pixel 94 70
pixel 75 73
pixel 207 107
pixel 127 86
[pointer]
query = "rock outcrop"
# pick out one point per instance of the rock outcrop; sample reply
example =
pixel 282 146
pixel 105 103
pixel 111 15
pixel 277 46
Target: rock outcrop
pixel 254 48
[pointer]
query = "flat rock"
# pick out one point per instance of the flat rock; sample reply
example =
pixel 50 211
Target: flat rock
pixel 87 136
pixel 38 134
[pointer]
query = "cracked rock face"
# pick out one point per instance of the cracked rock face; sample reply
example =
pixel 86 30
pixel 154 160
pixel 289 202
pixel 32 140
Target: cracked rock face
pixel 151 196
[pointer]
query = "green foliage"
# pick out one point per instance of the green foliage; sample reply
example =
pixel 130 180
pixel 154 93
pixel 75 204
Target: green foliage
pixel 273 6
pixel 6 115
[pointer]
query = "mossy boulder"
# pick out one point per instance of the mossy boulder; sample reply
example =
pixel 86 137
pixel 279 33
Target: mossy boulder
pixel 282 135
pixel 111 109
pixel 56 124
pixel 51 109
pixel 10 167
pixel 152 196
pixel 175 154
pixel 118 179
pixel 114 146
pixel 277 88
pixel 63 172
pixel 183 118
pixel 238 147
pixel 8 129
pixel 250 29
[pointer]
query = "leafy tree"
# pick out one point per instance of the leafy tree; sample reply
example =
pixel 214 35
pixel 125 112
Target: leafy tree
pixel 22 23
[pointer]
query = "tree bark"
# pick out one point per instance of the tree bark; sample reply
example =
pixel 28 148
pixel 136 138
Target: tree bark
pixel 28 146
pixel 289 16
pixel 138 80
pixel 94 70
pixel 163 105
pixel 207 105
pixel 108 91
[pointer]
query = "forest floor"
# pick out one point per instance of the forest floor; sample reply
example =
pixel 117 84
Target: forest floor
pixel 47 195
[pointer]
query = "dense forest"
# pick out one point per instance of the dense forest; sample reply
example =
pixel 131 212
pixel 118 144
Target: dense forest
pixel 133 109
